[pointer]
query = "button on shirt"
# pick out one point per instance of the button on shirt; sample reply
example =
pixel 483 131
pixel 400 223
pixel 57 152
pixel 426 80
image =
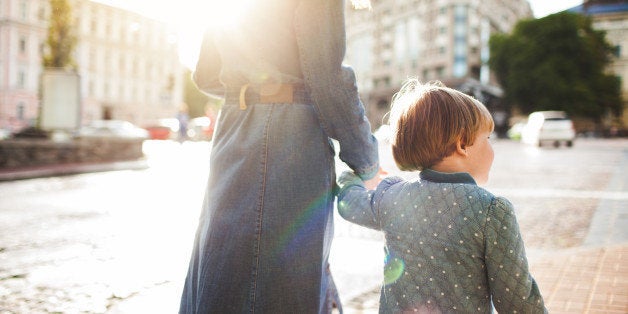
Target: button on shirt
pixel 451 246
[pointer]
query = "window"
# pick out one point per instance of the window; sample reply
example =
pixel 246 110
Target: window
pixel 461 49
pixel 414 36
pixel 20 111
pixel 107 62
pixel 21 79
pixel 460 66
pixel 171 82
pixel 617 51
pixel 22 45
pixel 440 72
pixel 41 13
pixel 400 42
pixel 92 59
pixel 23 10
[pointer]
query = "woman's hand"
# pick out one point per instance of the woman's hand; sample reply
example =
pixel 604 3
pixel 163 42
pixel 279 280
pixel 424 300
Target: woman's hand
pixel 371 184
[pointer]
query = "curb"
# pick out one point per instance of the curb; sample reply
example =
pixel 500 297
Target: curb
pixel 68 169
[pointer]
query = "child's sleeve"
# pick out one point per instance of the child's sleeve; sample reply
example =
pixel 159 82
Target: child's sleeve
pixel 356 203
pixel 511 284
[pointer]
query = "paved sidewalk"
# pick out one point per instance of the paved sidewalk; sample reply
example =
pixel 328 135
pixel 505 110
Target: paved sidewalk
pixel 584 280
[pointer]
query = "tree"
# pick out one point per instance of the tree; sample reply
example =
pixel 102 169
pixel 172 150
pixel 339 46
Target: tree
pixel 61 39
pixel 557 63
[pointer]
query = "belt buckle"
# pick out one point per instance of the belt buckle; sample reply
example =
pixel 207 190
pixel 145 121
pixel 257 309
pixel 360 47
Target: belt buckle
pixel 243 96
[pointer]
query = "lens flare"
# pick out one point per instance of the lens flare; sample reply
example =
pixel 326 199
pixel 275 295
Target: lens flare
pixel 294 235
pixel 393 269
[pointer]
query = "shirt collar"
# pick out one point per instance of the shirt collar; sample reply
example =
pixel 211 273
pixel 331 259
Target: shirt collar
pixel 443 177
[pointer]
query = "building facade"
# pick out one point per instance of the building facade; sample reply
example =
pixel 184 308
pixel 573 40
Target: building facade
pixel 444 40
pixel 128 64
pixel 611 16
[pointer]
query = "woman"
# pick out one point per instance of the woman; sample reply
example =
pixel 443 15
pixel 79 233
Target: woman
pixel 266 227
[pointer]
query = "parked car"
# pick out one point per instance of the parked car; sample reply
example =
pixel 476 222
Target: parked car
pixel 548 126
pixel 164 129
pixel 200 129
pixel 113 128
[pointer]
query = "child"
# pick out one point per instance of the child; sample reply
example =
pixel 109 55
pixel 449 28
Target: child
pixel 451 246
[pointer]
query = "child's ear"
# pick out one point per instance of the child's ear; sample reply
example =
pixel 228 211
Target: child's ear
pixel 461 148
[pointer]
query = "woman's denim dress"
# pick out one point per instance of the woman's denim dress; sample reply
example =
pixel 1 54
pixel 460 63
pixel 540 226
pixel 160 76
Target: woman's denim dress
pixel 265 230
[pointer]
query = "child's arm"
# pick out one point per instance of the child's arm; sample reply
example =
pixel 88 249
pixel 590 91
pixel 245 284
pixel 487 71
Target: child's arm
pixel 511 284
pixel 356 203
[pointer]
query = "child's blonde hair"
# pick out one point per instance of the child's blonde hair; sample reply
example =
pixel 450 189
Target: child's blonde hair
pixel 427 120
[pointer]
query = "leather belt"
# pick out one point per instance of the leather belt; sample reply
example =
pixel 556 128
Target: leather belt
pixel 269 94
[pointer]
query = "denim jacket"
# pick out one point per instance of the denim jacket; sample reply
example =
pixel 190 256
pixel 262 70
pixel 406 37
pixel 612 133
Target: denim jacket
pixel 304 43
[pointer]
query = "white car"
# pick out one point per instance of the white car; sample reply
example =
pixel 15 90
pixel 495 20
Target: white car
pixel 548 127
pixel 113 128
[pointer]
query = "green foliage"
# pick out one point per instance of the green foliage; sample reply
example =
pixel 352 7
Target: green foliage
pixel 61 39
pixel 556 63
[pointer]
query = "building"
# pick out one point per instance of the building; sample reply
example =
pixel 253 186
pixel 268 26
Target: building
pixel 611 16
pixel 444 40
pixel 128 64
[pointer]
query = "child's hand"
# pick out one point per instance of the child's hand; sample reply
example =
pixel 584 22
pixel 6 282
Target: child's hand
pixel 371 184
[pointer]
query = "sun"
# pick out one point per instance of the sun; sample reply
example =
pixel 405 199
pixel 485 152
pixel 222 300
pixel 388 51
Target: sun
pixel 192 18
pixel 226 13
pixel 209 13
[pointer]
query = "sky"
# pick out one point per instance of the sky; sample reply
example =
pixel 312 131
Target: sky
pixel 542 8
pixel 189 17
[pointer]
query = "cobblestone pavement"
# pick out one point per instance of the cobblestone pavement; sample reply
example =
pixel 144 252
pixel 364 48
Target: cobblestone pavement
pixel 118 242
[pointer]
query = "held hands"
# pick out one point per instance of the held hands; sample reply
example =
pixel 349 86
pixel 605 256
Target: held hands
pixel 371 184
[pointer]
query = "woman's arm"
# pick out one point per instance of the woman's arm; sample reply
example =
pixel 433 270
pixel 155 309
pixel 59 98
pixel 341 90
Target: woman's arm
pixel 320 31
pixel 207 73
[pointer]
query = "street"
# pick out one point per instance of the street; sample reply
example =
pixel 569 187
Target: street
pixel 119 241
